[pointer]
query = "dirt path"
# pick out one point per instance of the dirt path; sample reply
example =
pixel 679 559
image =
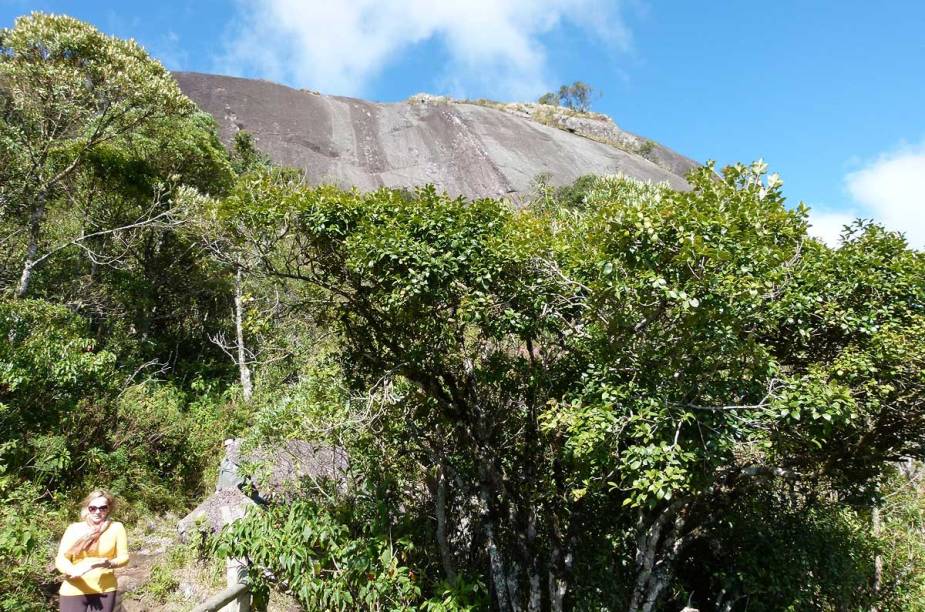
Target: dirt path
pixel 132 577
pixel 191 582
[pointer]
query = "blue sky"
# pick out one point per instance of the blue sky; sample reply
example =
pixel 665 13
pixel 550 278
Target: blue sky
pixel 830 94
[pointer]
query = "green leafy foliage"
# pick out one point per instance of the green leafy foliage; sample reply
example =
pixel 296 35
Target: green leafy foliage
pixel 680 396
pixel 162 587
pixel 902 541
pixel 576 96
pixel 774 551
pixel 633 350
pixel 27 523
pixel 69 413
pixel 54 378
pixel 72 419
pixel 108 377
pixel 68 91
pixel 327 565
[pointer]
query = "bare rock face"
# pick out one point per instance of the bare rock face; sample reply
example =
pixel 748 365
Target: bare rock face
pixel 600 128
pixel 465 149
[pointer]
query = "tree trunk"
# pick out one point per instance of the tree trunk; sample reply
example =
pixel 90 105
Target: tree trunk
pixel 513 585
pixel 655 554
pixel 536 595
pixel 497 567
pixel 445 555
pixel 535 601
pixel 878 559
pixel 35 232
pixel 559 566
pixel 504 576
pixel 246 384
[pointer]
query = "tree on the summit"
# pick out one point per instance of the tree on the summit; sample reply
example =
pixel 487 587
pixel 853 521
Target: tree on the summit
pixel 576 96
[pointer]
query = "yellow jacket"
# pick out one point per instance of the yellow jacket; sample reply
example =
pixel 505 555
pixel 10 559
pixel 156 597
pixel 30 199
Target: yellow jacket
pixel 112 545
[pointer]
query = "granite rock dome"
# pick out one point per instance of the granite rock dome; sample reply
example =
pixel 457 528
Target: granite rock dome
pixel 470 149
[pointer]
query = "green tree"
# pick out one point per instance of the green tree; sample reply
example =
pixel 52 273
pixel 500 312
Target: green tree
pixel 148 280
pixel 245 155
pixel 69 414
pixel 571 379
pixel 259 333
pixel 101 163
pixel 54 377
pixel 66 90
pixel 576 96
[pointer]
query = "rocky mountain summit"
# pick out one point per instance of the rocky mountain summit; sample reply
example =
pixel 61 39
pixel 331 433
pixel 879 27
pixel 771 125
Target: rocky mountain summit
pixel 474 149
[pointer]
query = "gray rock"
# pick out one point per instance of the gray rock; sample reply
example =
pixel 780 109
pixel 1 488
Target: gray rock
pixel 465 149
pixel 219 509
pixel 229 476
pixel 601 128
pixel 281 473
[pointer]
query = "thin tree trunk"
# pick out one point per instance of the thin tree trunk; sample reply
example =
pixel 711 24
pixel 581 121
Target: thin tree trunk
pixel 445 555
pixel 558 584
pixel 536 595
pixel 646 550
pixel 531 562
pixel 246 384
pixel 35 232
pixel 535 601
pixel 656 586
pixel 505 590
pixel 497 567
pixel 513 585
pixel 878 559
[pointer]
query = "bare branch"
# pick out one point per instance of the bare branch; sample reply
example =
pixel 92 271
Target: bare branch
pixel 149 222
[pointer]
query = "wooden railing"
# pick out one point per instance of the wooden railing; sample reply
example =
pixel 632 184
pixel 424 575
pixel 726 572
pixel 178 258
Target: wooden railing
pixel 236 597
pixel 237 593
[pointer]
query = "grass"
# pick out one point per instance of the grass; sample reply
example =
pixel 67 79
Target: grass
pixel 177 563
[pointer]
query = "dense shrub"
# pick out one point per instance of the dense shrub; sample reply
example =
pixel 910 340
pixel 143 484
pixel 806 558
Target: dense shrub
pixel 56 390
pixel 28 523
pixel 327 565
pixel 74 420
pixel 629 363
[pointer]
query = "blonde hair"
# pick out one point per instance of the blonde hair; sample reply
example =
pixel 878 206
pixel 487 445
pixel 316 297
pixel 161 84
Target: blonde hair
pixel 110 501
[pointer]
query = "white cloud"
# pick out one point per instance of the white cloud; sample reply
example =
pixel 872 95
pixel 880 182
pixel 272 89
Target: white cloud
pixel 827 224
pixel 338 46
pixel 891 190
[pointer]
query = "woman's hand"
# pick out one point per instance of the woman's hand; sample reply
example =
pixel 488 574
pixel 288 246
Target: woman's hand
pixel 87 541
pixel 83 566
pixel 90 563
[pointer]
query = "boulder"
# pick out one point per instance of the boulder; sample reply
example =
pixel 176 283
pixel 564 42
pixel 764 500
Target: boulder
pixel 278 474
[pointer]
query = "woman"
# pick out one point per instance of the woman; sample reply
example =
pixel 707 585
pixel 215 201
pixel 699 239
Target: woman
pixel 88 553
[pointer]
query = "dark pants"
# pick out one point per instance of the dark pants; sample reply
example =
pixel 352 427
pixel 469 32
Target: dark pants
pixel 104 602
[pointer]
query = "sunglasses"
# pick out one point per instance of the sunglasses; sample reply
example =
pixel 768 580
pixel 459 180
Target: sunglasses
pixel 97 508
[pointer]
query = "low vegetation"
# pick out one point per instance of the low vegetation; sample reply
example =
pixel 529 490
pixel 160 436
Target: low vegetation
pixel 620 397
